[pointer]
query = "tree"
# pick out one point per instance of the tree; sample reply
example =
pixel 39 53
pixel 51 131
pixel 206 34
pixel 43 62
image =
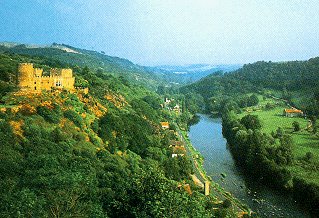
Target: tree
pixel 309 156
pixel 296 126
pixel 279 132
pixel 253 100
pixel 251 122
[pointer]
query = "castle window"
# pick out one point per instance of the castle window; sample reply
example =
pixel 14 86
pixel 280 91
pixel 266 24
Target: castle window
pixel 35 88
pixel 35 82
pixel 58 83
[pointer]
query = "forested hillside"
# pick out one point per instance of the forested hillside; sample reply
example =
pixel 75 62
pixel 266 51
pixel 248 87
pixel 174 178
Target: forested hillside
pixel 101 154
pixel 72 56
pixel 294 81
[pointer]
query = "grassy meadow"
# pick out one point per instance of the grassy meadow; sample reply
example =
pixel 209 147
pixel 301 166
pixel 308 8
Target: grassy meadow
pixel 304 140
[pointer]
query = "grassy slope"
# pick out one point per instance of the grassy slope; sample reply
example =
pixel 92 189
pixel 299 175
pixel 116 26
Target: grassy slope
pixel 304 141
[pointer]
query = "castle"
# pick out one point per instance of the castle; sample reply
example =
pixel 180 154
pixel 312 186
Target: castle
pixel 33 79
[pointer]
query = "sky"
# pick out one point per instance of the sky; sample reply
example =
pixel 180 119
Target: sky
pixel 170 32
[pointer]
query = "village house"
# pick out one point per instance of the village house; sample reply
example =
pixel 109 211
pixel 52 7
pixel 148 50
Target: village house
pixel 179 151
pixel 174 143
pixel 177 109
pixel 167 101
pixel 165 125
pixel 176 155
pixel 293 112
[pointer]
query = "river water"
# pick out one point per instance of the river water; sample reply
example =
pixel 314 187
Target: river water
pixel 206 136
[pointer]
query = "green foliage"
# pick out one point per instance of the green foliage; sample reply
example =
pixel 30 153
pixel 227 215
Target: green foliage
pixel 144 108
pixel 5 88
pixel 296 126
pixel 248 101
pixel 194 102
pixel 289 80
pixel 307 193
pixel 117 165
pixel 253 100
pixel 153 101
pixel 53 172
pixel 178 168
pixel 309 156
pixel 75 117
pixel 52 115
pixel 258 153
pixel 251 122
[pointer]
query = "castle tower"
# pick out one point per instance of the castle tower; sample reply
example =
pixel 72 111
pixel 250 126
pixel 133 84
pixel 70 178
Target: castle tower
pixel 38 72
pixel 67 79
pixel 66 73
pixel 26 74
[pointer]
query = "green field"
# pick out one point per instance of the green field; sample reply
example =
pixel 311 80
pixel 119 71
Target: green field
pixel 304 140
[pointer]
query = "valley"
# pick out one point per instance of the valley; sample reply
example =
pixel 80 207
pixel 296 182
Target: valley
pixel 121 116
pixel 159 109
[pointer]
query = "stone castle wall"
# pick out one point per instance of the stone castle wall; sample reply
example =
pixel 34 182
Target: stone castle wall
pixel 32 79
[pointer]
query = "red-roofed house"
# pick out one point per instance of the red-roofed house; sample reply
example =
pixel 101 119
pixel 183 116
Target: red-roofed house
pixel 293 112
pixel 165 125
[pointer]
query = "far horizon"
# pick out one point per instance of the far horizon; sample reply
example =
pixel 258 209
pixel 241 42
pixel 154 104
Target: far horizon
pixel 170 33
pixel 159 65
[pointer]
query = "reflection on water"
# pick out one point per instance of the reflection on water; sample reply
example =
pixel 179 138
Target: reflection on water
pixel 206 136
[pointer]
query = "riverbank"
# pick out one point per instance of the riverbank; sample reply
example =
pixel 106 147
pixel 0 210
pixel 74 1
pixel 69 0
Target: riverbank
pixel 304 167
pixel 206 137
pixel 216 190
pixel 261 156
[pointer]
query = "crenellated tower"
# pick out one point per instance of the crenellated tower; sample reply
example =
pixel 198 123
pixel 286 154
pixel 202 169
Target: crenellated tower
pixel 26 74
pixel 38 72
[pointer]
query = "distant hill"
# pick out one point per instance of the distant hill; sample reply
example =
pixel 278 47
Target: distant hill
pixel 295 81
pixel 186 74
pixel 81 57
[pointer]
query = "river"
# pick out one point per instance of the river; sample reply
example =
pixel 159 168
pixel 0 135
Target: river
pixel 206 136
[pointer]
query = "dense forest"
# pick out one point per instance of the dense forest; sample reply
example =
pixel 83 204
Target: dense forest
pixel 101 154
pixel 294 81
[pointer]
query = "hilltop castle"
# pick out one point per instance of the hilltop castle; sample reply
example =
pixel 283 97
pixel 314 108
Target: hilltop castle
pixel 32 79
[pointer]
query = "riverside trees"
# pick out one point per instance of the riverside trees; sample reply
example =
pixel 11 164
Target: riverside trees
pixel 259 153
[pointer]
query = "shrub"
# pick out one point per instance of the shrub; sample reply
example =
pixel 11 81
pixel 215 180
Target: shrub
pixel 74 117
pixel 51 115
pixel 296 126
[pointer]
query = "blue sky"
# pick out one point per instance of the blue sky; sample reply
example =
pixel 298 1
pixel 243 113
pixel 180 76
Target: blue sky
pixel 157 32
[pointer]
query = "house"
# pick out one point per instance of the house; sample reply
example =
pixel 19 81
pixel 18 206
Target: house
pixel 165 125
pixel 179 151
pixel 293 112
pixel 167 101
pixel 177 109
pixel 174 143
pixel 186 187
pixel 176 155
